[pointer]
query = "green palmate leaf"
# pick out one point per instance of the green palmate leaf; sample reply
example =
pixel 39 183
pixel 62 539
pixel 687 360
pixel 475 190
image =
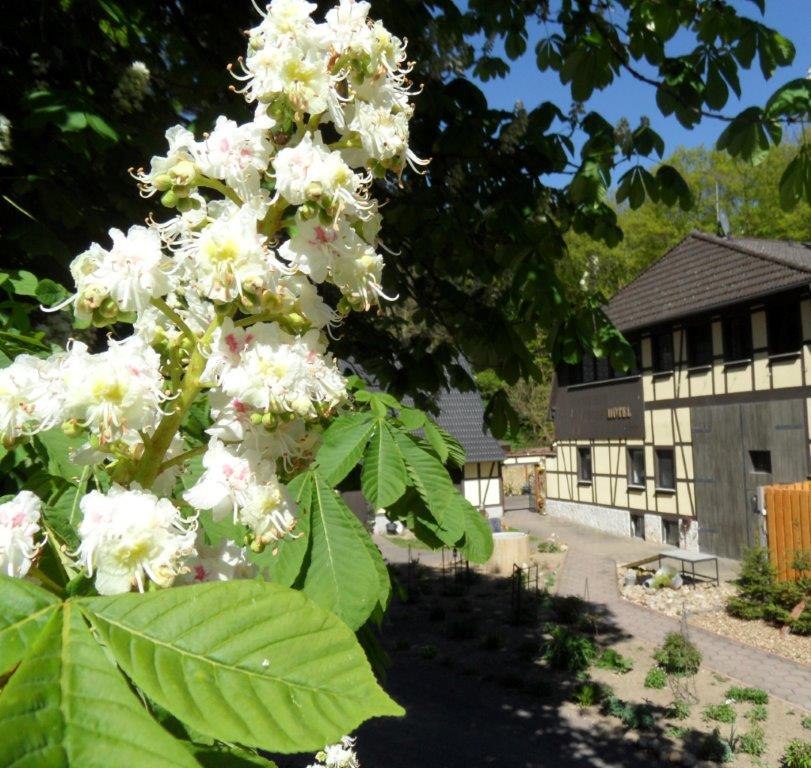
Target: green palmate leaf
pixel 339 571
pixel 383 578
pixel 24 610
pixel 750 135
pixel 478 543
pixel 344 443
pixel 795 183
pixel 59 447
pixel 427 474
pixel 228 757
pixel 436 440
pixel 456 454
pixel 244 662
pixel 67 706
pixel 383 477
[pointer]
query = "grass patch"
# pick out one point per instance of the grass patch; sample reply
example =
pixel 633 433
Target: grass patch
pixel 656 678
pixel 719 713
pixel 797 754
pixel 753 742
pixel 610 659
pixel 752 695
pixel 757 714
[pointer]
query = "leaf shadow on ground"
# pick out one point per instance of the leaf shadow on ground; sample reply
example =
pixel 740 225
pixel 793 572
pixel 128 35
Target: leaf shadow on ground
pixel 474 694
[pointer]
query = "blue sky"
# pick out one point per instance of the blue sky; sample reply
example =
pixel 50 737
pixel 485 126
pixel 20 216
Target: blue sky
pixel 632 99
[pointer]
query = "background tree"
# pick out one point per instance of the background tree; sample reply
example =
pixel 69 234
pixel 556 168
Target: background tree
pixel 480 241
pixel 745 193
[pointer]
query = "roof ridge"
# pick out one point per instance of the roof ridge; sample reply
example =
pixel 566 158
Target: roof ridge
pixel 734 246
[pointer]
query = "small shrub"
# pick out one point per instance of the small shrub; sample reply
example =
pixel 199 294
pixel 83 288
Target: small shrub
pixel 677 731
pixel 551 545
pixel 656 678
pixel 569 651
pixel 752 695
pixel 806 722
pixel 713 747
pixel 744 609
pixel 776 614
pixel 757 714
pixel 678 656
pixel 680 709
pixel 756 582
pixel 720 713
pixel 802 625
pixel 588 694
pixel 610 659
pixel 634 716
pixel 797 754
pixel 568 610
pixel 663 579
pixel 787 594
pixel 753 742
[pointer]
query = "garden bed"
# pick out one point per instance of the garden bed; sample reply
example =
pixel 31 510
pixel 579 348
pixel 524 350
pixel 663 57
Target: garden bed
pixel 704 603
pixel 478 688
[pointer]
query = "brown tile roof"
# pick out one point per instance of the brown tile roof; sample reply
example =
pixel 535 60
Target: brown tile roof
pixel 704 272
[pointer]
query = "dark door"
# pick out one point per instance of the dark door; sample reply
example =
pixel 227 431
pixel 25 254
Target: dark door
pixel 737 448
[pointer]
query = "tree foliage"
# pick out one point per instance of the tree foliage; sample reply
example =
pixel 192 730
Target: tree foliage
pixel 480 241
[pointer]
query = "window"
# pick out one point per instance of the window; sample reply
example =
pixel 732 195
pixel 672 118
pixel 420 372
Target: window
pixel 665 469
pixel 603 369
pixel 638 526
pixel 670 531
pixel 636 466
pixel 584 465
pixel 699 345
pixel 662 347
pixel 569 374
pixel 737 337
pixel 760 461
pixel 588 368
pixel 783 327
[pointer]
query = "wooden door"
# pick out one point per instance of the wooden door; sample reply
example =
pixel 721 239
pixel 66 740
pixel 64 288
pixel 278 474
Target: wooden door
pixel 719 479
pixel 737 448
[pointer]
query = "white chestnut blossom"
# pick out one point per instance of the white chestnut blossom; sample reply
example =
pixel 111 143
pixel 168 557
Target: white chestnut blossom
pixel 221 562
pixel 340 755
pixel 237 154
pixel 131 273
pixel 311 171
pixel 114 392
pixel 177 167
pixel 29 400
pixel 19 525
pixel 225 481
pixel 271 239
pixel 128 536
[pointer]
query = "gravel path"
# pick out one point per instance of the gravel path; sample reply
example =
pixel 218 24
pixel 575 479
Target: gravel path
pixel 590 571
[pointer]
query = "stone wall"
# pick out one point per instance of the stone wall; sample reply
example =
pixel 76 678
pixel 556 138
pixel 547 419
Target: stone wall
pixel 608 519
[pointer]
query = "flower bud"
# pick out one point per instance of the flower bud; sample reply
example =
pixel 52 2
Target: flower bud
pixel 162 182
pixel 108 309
pixel 185 204
pixel 183 173
pixel 296 322
pixel 169 199
pixel 72 428
pixel 256 419
pixel 269 420
pixel 307 210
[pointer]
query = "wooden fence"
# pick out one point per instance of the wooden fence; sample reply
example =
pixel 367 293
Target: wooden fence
pixel 788 525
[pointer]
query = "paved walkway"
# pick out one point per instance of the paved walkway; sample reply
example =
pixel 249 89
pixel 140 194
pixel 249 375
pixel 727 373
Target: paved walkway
pixel 591 564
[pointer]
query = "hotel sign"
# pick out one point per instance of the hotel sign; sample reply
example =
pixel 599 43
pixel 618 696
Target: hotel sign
pixel 619 412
